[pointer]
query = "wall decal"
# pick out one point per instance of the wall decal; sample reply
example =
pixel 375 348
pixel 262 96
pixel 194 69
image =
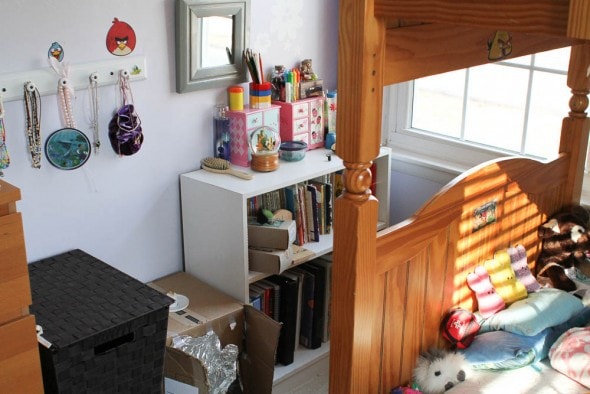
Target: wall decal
pixel 56 51
pixel 121 38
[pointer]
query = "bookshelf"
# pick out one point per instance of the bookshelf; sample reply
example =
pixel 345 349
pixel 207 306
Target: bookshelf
pixel 214 220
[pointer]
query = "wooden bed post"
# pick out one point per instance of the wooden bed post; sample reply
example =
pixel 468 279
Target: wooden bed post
pixel 574 131
pixel 354 362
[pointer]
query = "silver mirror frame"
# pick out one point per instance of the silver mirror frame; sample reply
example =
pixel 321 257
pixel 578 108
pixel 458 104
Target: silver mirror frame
pixel 189 77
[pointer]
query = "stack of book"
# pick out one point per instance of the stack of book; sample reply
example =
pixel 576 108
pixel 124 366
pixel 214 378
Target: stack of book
pixel 310 204
pixel 299 298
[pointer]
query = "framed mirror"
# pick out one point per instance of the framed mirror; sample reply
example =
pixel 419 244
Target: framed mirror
pixel 210 38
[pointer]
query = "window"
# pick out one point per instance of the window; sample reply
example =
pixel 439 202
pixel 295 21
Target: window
pixel 462 118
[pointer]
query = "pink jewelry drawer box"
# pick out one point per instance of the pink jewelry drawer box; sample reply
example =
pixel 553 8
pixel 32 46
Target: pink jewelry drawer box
pixel 303 120
pixel 242 123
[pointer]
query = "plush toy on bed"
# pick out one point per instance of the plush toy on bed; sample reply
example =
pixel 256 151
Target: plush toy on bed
pixel 566 244
pixel 439 370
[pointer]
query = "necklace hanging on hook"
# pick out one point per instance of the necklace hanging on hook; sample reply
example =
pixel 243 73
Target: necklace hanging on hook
pixel 4 158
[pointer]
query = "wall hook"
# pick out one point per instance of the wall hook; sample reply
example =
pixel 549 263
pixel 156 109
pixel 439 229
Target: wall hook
pixel 30 86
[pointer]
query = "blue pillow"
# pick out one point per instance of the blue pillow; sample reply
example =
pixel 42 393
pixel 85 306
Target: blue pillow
pixel 501 350
pixel 546 308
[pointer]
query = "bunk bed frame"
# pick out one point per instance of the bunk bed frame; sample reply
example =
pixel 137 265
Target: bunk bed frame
pixel 391 290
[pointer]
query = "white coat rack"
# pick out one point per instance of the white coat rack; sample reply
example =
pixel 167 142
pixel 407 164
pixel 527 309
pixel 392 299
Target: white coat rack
pixel 104 72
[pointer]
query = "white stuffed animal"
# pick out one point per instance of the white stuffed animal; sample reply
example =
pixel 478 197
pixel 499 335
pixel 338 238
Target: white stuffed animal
pixel 439 370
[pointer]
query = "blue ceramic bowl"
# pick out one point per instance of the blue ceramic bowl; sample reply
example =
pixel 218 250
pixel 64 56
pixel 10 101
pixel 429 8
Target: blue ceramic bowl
pixel 292 150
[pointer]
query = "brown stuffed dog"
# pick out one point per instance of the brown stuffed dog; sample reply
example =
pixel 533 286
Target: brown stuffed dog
pixel 566 244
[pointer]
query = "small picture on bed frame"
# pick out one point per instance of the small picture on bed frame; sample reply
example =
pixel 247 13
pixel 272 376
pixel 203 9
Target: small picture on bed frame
pixel 484 215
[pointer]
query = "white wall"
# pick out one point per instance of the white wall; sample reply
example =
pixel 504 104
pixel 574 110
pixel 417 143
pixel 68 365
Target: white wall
pixel 126 211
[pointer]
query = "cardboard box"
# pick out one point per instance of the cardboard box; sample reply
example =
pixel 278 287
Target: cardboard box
pixel 211 309
pixel 277 235
pixel 270 261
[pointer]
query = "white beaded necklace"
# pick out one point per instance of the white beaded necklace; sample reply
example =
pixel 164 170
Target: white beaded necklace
pixel 65 99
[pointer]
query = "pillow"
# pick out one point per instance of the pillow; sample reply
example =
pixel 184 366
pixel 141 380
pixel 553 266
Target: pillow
pixel 546 308
pixel 501 350
pixel 570 355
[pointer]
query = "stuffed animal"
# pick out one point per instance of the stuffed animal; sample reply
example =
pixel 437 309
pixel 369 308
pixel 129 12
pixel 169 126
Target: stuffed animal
pixel 488 301
pixel 504 279
pixel 520 266
pixel 439 370
pixel 566 245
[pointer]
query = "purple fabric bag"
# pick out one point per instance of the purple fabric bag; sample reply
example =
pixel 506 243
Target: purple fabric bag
pixel 125 131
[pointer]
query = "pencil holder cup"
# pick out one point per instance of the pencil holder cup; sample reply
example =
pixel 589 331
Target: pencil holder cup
pixel 260 94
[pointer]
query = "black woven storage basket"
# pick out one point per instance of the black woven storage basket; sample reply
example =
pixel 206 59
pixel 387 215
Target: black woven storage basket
pixel 107 329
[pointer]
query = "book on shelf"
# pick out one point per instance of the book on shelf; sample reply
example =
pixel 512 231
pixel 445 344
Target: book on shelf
pixel 256 296
pixel 287 315
pixel 275 235
pixel 325 262
pixel 298 277
pixel 317 304
pixel 303 214
pixel 307 308
pixel 275 297
pixel 313 223
pixel 265 299
pixel 325 204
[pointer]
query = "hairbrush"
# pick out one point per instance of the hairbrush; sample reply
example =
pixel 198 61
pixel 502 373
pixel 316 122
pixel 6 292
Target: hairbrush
pixel 222 166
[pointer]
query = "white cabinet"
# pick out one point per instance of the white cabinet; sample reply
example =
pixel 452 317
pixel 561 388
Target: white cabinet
pixel 214 220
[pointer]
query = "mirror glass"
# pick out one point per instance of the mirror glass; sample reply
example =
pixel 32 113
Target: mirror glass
pixel 208 36
pixel 216 33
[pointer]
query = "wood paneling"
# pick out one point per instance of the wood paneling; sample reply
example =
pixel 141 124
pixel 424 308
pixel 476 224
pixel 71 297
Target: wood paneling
pixel 539 17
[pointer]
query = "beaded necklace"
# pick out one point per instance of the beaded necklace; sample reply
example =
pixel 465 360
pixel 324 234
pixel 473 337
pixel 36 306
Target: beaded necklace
pixel 4 158
pixel 32 101
pixel 65 100
pixel 93 94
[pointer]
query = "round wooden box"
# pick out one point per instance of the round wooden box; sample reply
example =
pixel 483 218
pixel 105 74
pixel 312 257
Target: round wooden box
pixel 265 163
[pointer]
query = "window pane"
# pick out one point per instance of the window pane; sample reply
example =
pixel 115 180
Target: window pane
pixel 557 59
pixel 438 103
pixel 495 106
pixel 549 105
pixel 524 60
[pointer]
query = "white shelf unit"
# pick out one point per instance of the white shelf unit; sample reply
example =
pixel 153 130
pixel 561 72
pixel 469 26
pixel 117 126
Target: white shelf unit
pixel 214 221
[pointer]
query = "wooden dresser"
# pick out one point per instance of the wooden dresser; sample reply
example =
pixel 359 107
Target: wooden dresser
pixel 20 368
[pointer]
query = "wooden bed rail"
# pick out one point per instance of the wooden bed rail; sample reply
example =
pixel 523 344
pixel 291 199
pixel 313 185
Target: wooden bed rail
pixel 422 264
pixel 565 18
pixel 390 292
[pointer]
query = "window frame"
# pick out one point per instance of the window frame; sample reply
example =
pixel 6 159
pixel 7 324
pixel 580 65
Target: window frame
pixel 416 148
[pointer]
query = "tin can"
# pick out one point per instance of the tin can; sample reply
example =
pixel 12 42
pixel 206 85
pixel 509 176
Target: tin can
pixel 236 98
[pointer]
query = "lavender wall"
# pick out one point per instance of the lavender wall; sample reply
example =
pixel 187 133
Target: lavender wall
pixel 126 211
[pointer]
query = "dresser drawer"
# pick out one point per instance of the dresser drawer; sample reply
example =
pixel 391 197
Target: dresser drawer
pixel 301 110
pixel 303 117
pixel 20 367
pixel 300 126
pixel 14 276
